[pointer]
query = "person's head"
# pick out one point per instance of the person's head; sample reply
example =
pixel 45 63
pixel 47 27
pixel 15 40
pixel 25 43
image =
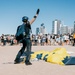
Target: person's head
pixel 25 19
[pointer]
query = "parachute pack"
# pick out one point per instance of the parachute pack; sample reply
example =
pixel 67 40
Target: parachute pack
pixel 23 31
pixel 20 32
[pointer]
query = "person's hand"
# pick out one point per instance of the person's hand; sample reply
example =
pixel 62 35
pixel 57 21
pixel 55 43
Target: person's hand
pixel 38 10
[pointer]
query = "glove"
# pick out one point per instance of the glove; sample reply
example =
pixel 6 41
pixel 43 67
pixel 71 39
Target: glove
pixel 38 10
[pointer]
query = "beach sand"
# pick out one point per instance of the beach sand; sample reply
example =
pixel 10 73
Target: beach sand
pixel 7 66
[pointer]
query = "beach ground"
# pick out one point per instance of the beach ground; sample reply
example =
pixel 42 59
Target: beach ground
pixel 7 66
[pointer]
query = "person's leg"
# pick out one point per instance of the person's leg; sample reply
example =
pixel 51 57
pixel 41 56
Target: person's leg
pixel 20 53
pixel 4 42
pixel 74 42
pixel 28 52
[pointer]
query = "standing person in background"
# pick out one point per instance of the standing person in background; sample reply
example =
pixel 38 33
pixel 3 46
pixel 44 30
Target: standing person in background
pixel 4 40
pixel 24 38
pixel 74 39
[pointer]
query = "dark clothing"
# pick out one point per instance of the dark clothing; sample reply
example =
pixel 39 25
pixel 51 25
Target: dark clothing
pixel 26 43
pixel 74 42
pixel 4 40
pixel 25 40
pixel 23 31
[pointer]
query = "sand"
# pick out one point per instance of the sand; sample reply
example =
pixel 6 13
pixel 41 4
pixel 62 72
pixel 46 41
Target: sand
pixel 7 66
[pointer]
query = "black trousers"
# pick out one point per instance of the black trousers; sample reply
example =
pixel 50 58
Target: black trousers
pixel 25 48
pixel 74 42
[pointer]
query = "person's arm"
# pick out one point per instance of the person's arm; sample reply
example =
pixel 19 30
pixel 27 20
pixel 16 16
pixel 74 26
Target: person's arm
pixel 34 18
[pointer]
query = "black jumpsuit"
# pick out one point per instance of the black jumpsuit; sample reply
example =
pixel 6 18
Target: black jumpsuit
pixel 26 41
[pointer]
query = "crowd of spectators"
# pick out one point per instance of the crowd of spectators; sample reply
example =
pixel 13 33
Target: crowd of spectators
pixel 40 40
pixel 7 40
pixel 55 40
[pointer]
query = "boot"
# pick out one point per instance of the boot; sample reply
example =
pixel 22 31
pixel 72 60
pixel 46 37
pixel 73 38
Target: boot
pixel 16 61
pixel 28 63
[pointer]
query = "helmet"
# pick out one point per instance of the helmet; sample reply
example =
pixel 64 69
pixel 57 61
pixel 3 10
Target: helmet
pixel 25 18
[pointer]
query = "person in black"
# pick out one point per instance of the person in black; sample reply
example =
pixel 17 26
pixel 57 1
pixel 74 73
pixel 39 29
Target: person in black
pixel 26 41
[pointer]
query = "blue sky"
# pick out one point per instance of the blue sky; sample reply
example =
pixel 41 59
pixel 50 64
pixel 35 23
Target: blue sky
pixel 12 11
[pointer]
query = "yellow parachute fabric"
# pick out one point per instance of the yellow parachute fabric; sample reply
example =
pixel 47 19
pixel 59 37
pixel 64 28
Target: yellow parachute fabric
pixel 35 54
pixel 56 56
pixel 45 53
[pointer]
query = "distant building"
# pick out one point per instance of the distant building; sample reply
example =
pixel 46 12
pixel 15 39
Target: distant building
pixel 56 26
pixel 70 30
pixel 64 29
pixel 37 31
pixel 42 29
pixel 74 26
